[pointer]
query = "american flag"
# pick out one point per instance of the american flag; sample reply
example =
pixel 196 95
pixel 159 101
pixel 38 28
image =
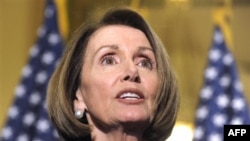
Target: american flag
pixel 221 98
pixel 27 117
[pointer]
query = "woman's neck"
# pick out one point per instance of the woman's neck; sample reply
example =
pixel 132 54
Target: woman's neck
pixel 117 131
pixel 117 134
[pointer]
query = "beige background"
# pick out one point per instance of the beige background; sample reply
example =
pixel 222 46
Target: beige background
pixel 185 28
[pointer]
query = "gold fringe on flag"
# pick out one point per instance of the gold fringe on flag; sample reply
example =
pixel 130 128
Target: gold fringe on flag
pixel 222 16
pixel 63 21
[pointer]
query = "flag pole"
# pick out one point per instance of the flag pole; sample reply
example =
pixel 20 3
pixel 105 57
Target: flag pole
pixel 63 18
pixel 222 16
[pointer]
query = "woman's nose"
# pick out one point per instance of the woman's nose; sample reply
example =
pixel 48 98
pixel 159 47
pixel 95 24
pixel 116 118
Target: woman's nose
pixel 131 73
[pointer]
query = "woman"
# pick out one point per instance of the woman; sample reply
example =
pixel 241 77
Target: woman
pixel 114 83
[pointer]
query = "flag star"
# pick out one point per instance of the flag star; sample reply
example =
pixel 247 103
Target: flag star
pixel 7 133
pixel 218 38
pixel 198 133
pixel 236 121
pixel 238 86
pixel 48 58
pixel 49 11
pixel 228 59
pixel 13 112
pixel 34 51
pixel 55 134
pixel 29 119
pixel 41 77
pixel 35 98
pixel 27 70
pixel 222 101
pixel 215 54
pixel 20 91
pixel 219 120
pixel 22 137
pixel 238 104
pixel 42 125
pixel 53 38
pixel 42 31
pixel 206 92
pixel 214 137
pixel 45 105
pixel 57 62
pixel 211 73
pixel 225 80
pixel 202 112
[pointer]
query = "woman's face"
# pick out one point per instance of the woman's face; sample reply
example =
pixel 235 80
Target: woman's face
pixel 119 78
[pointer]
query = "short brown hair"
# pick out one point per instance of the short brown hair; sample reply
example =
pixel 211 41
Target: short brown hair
pixel 66 79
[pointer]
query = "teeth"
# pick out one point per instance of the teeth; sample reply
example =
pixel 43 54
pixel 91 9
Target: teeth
pixel 130 96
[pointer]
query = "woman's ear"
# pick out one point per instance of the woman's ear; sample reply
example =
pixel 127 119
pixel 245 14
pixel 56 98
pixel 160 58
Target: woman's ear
pixel 79 103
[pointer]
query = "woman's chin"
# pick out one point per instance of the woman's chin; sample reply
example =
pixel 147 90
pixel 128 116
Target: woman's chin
pixel 134 117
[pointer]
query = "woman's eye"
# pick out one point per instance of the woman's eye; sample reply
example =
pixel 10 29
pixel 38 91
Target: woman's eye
pixel 108 60
pixel 146 63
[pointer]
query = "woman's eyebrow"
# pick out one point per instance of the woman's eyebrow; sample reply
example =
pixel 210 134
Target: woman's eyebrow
pixel 113 47
pixel 144 48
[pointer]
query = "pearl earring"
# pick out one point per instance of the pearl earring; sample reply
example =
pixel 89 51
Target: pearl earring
pixel 78 114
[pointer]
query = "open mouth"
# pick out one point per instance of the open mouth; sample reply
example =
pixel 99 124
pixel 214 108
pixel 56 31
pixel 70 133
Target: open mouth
pixel 130 96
